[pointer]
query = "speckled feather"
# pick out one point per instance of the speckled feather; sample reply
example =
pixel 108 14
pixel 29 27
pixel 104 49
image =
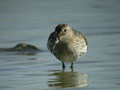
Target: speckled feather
pixel 69 50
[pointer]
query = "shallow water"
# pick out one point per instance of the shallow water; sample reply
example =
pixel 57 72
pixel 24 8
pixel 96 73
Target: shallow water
pixel 32 21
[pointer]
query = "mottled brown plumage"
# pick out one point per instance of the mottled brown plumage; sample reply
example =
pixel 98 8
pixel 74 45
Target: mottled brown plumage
pixel 67 44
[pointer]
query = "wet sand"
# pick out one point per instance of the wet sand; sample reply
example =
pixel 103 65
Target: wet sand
pixel 32 21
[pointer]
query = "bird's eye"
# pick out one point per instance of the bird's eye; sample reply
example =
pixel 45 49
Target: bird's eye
pixel 65 30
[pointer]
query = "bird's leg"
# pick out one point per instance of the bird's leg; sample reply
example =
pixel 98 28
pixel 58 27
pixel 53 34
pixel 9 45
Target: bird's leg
pixel 63 65
pixel 71 65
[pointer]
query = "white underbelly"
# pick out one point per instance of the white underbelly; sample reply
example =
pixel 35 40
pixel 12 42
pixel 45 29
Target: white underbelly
pixel 68 59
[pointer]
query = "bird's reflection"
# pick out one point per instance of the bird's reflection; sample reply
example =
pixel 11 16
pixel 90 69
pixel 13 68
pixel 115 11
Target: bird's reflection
pixel 62 79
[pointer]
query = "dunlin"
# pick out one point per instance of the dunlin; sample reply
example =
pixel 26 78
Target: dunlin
pixel 67 44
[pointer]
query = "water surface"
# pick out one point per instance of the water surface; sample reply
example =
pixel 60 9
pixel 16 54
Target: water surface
pixel 31 21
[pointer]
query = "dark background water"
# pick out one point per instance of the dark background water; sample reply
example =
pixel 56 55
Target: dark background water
pixel 31 21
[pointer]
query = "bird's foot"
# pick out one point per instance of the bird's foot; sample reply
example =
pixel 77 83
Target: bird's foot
pixel 71 66
pixel 63 66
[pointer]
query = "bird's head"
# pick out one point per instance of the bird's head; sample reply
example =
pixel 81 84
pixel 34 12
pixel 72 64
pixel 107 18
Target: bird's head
pixel 63 31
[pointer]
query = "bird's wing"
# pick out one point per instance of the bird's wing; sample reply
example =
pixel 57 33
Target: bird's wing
pixel 52 40
pixel 79 34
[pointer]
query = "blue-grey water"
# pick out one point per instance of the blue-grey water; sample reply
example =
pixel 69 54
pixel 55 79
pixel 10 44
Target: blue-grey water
pixel 31 21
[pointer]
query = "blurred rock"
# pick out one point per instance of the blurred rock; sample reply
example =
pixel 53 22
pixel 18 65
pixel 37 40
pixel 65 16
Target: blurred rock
pixel 24 47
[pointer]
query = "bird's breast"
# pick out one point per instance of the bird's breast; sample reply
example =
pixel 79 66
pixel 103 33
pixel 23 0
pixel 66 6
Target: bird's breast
pixel 63 52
